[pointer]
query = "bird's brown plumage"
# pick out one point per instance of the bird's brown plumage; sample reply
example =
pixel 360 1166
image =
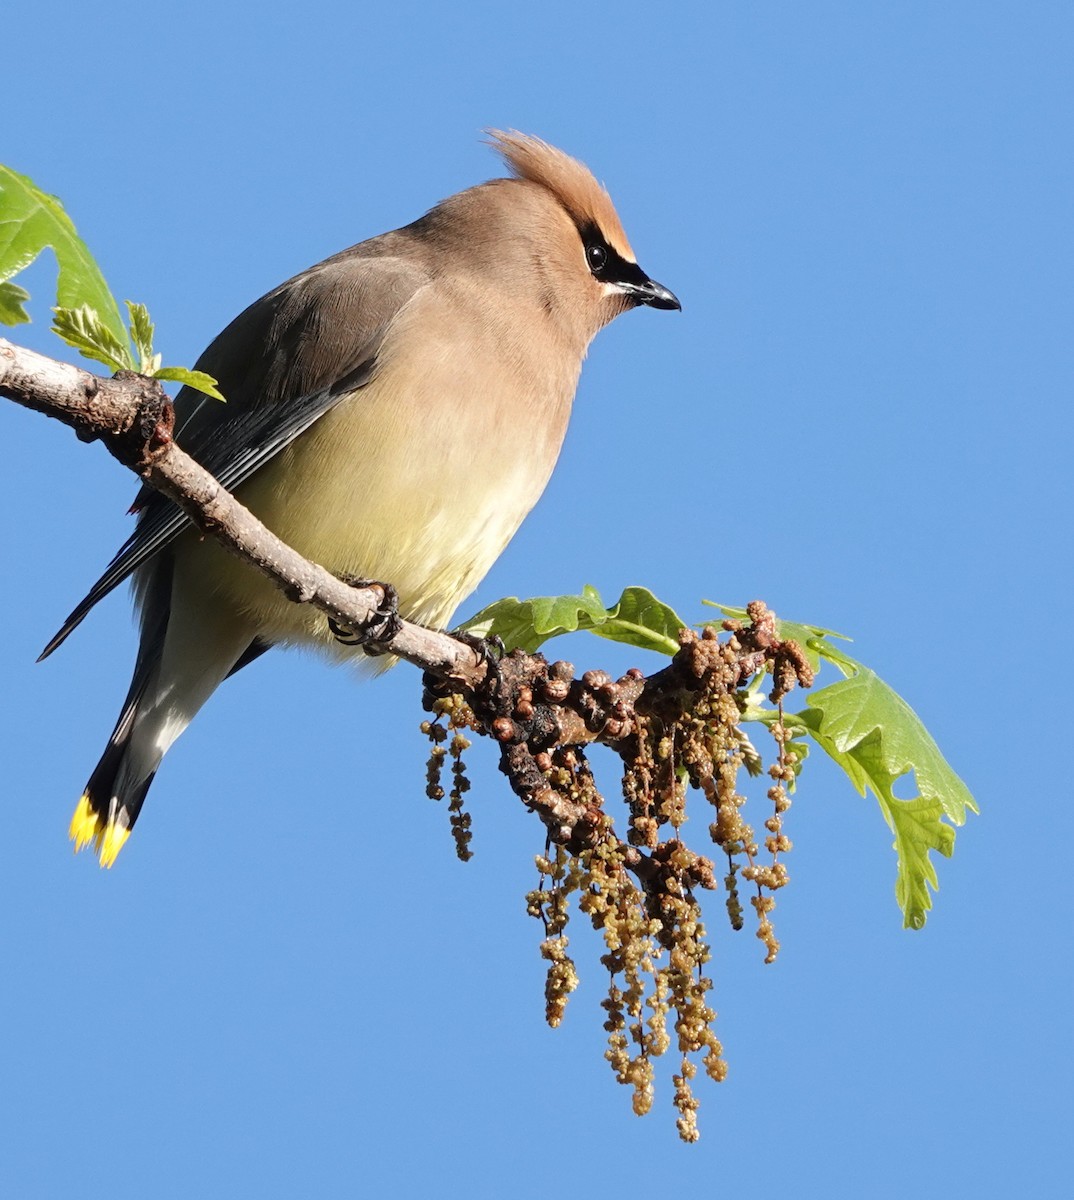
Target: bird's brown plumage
pixel 393 413
pixel 570 181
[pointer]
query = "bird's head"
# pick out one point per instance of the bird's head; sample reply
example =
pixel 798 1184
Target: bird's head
pixel 599 246
pixel 548 237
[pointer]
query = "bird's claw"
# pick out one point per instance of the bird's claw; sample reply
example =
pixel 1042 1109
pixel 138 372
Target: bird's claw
pixel 490 650
pixel 383 623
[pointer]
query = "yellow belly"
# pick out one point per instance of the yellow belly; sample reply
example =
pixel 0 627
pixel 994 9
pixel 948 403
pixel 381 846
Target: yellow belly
pixel 418 480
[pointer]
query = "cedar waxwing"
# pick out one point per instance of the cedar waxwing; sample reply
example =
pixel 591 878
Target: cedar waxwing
pixel 392 413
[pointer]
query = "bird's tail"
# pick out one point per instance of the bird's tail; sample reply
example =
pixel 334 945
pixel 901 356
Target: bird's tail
pixel 187 649
pixel 113 797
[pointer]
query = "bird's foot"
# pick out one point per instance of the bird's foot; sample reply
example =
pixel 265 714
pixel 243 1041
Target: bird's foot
pixel 383 623
pixel 490 650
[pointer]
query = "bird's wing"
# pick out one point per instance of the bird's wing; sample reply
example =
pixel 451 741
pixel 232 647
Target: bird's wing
pixel 282 364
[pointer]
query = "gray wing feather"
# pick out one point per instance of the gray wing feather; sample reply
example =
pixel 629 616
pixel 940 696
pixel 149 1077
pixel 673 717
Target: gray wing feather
pixel 282 364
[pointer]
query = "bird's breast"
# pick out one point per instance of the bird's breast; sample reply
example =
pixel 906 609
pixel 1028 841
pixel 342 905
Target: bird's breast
pixel 418 479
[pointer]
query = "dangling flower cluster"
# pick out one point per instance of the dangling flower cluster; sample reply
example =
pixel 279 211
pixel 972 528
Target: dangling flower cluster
pixel 458 716
pixel 655 951
pixel 640 890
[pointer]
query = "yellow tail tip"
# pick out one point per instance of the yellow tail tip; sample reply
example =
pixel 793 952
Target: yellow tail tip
pixel 115 838
pixel 88 826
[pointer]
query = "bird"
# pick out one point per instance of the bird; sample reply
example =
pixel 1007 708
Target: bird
pixel 393 413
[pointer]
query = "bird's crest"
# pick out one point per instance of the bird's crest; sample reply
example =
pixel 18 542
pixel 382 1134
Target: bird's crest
pixel 569 180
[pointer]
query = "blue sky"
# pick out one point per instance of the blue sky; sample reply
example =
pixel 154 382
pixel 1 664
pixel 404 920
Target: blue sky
pixel 288 986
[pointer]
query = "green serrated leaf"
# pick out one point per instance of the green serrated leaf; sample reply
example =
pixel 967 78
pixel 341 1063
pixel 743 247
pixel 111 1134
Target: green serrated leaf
pixel 525 624
pixel 877 738
pixel 198 380
pixel 918 829
pixel 638 619
pixel 142 336
pixel 30 220
pixel 83 329
pixel 12 299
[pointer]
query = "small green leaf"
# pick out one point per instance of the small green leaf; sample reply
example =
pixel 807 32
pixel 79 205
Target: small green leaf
pixel 198 380
pixel 877 738
pixel 638 619
pixel 12 299
pixel 82 328
pixel 142 336
pixel 30 220
pixel 525 624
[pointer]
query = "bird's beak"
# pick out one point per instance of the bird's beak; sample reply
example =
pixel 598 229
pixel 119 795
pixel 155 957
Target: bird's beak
pixel 648 291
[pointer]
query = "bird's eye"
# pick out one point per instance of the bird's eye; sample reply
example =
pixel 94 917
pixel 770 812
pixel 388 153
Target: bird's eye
pixel 597 257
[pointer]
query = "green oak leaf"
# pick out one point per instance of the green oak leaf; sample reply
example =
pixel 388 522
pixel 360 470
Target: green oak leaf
pixel 86 315
pixel 83 329
pixel 12 300
pixel 198 380
pixel 142 336
pixel 31 220
pixel 877 738
pixel 638 618
pixel 525 624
